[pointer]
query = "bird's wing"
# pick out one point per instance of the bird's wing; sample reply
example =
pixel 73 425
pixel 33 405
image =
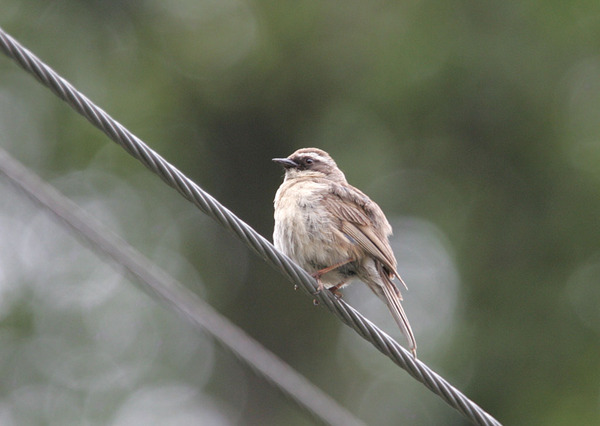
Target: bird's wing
pixel 362 220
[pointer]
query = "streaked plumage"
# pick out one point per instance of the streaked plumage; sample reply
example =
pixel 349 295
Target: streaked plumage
pixel 322 221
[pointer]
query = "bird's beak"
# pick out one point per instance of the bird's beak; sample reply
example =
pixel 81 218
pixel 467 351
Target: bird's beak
pixel 286 163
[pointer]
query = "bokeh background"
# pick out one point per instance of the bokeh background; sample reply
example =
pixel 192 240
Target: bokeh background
pixel 475 125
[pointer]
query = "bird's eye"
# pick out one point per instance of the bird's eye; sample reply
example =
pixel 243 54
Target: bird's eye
pixel 309 161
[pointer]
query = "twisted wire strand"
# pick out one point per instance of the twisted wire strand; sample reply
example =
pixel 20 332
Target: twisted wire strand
pixel 175 295
pixel 205 202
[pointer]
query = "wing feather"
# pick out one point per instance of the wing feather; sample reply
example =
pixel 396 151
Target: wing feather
pixel 364 221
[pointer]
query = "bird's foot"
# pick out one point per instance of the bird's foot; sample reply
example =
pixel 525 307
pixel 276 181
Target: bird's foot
pixel 320 286
pixel 336 290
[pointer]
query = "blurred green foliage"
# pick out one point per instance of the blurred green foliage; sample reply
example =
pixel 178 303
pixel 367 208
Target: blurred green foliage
pixel 478 120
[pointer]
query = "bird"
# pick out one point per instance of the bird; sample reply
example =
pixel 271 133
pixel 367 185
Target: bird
pixel 335 232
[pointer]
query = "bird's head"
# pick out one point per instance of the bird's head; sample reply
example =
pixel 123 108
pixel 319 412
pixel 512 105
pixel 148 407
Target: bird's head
pixel 310 162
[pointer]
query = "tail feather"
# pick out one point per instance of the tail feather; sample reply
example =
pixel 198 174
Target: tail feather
pixel 393 298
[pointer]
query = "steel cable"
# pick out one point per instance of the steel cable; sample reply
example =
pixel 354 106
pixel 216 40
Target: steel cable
pixel 205 202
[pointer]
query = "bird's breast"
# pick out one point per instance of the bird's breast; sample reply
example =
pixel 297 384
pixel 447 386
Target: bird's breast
pixel 304 228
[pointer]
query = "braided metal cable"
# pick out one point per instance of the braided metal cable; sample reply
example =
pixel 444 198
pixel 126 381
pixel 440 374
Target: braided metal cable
pixel 244 232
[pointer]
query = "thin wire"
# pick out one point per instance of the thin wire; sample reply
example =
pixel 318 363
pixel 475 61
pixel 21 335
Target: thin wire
pixel 244 232
pixel 174 295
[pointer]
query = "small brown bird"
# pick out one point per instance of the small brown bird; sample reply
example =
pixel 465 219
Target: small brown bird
pixel 335 232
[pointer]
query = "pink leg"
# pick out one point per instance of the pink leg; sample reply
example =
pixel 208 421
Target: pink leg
pixel 317 275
